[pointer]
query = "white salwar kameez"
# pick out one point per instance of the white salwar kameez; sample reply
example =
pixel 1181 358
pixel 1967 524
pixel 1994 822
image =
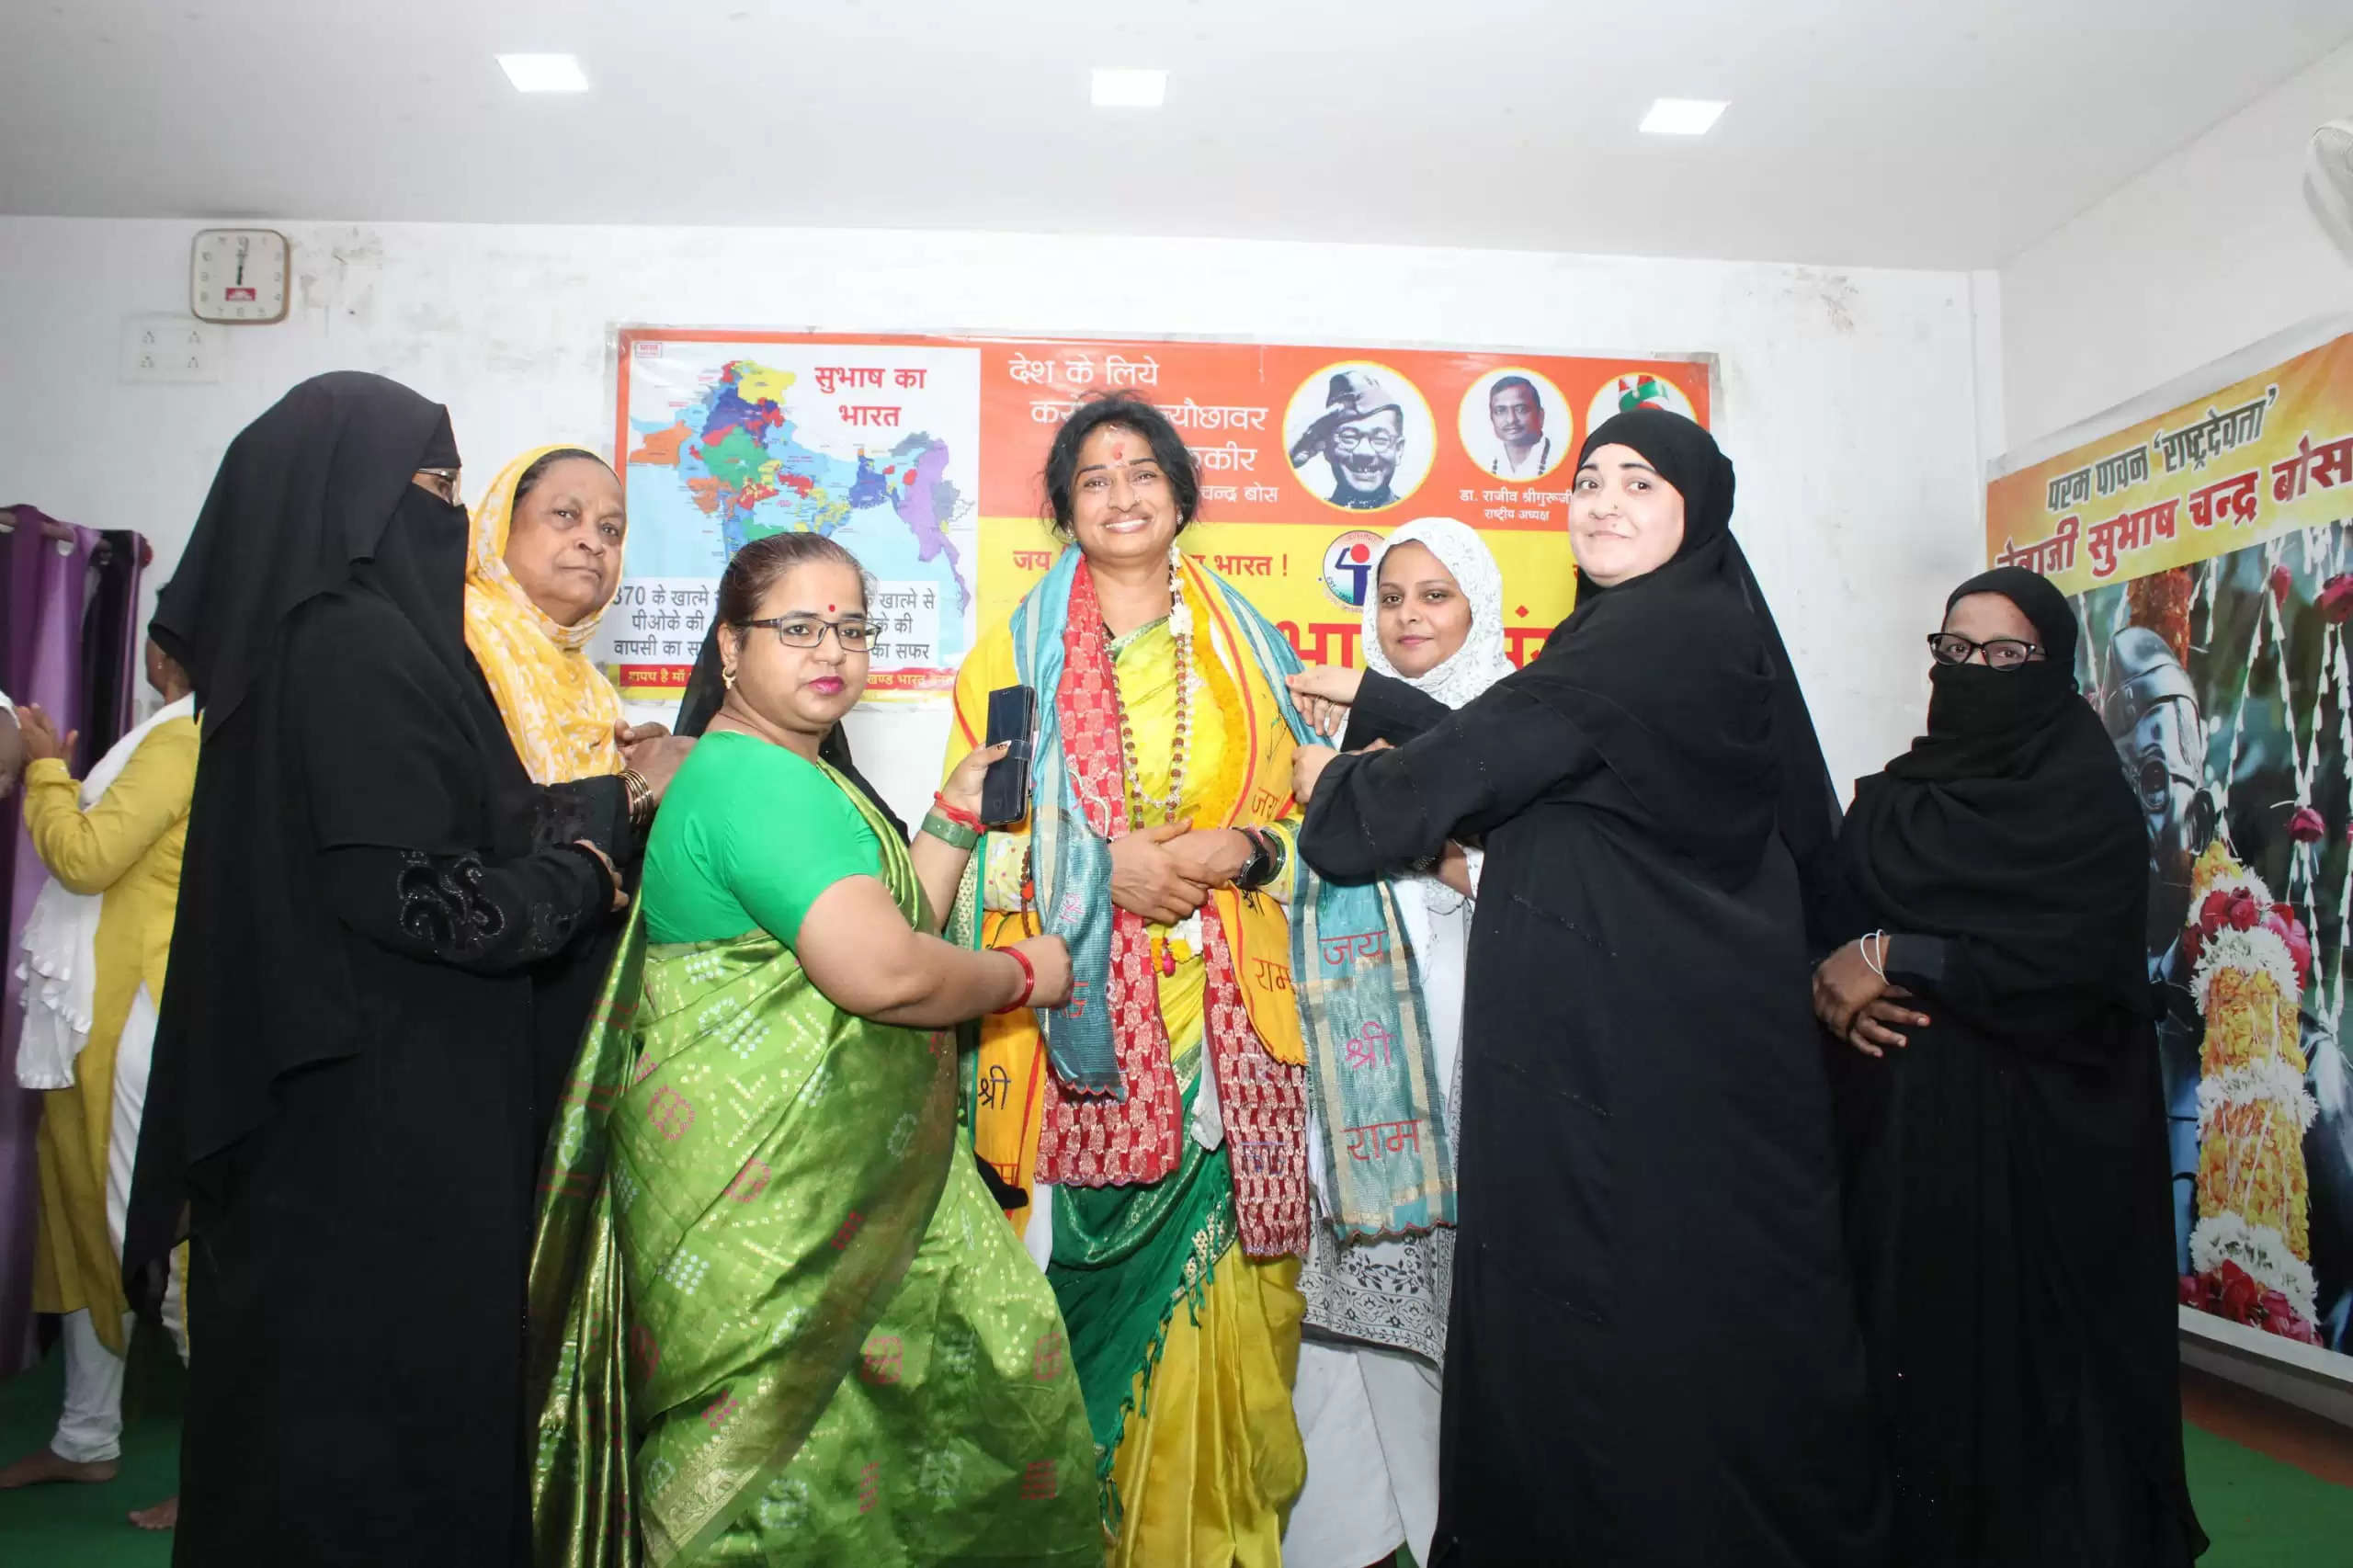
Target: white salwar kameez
pixel 1368 1391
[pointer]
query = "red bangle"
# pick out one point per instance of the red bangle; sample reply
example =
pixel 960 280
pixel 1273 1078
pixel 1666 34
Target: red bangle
pixel 960 817
pixel 1029 979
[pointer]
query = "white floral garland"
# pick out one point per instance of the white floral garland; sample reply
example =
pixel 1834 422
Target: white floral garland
pixel 2216 1239
pixel 2249 1081
pixel 2261 950
pixel 2258 1249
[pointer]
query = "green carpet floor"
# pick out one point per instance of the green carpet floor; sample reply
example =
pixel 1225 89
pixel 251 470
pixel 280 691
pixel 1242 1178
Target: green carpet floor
pixel 2262 1514
pixel 83 1527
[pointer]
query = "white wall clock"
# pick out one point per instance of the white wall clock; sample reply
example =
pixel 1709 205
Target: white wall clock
pixel 238 277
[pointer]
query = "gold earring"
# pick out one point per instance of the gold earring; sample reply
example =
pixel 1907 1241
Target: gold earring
pixel 728 676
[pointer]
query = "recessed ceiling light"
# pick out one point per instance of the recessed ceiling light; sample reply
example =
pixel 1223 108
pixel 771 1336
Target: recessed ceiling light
pixel 1682 116
pixel 544 73
pixel 1129 89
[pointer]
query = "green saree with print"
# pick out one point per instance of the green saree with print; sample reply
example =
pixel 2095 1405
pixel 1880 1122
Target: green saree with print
pixel 776 1317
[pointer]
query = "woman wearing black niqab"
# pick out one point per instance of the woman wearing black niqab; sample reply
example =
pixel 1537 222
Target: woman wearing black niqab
pixel 1652 1357
pixel 341 1099
pixel 2003 1128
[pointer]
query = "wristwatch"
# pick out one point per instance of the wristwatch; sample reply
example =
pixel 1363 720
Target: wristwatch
pixel 1265 862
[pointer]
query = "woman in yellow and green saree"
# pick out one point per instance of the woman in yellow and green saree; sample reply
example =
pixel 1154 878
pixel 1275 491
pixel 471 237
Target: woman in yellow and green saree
pixel 776 1316
pixel 1160 1123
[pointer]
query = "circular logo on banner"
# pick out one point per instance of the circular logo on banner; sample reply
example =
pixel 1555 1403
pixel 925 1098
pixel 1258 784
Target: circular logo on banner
pixel 1348 562
pixel 1636 389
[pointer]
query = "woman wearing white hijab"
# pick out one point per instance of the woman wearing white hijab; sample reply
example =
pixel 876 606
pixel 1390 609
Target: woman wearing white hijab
pixel 1367 1395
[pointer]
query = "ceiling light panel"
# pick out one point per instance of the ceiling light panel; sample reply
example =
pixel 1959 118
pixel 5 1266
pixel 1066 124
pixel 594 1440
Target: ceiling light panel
pixel 1120 88
pixel 1682 116
pixel 544 73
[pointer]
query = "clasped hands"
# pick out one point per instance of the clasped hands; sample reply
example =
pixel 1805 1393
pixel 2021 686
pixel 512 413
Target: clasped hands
pixel 1164 873
pixel 42 740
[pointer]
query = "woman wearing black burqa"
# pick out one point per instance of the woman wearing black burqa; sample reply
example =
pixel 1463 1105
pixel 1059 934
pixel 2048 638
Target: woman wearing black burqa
pixel 1652 1359
pixel 376 899
pixel 2007 1188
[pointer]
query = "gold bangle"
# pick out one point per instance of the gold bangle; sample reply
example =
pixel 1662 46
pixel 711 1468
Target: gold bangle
pixel 641 797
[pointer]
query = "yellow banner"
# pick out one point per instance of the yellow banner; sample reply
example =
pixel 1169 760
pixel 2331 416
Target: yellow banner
pixel 2268 453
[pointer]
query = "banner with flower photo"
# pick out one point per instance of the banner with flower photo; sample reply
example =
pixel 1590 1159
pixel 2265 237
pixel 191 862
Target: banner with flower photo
pixel 2205 534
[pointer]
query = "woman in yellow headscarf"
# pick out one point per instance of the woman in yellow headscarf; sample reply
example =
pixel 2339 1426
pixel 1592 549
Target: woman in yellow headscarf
pixel 546 562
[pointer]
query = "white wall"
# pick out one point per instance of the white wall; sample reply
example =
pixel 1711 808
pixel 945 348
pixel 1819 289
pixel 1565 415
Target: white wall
pixel 1851 400
pixel 2210 251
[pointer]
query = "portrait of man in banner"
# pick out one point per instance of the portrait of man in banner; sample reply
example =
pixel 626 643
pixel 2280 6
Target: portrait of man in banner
pixel 1360 435
pixel 1515 424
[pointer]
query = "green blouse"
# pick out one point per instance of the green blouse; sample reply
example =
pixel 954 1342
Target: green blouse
pixel 749 835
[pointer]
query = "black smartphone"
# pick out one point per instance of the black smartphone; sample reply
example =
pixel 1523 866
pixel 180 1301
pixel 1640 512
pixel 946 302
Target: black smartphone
pixel 1005 789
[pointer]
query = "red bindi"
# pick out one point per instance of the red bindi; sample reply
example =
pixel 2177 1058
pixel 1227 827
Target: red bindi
pixel 1120 452
pixel 829 609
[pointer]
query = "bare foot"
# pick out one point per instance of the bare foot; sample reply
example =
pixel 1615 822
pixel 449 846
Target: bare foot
pixel 39 1470
pixel 163 1516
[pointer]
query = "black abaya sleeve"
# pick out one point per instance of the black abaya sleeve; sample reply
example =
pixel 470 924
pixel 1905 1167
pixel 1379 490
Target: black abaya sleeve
pixel 426 836
pixel 1479 768
pixel 1387 708
pixel 595 810
pixel 1943 971
pixel 453 909
pixel 1924 964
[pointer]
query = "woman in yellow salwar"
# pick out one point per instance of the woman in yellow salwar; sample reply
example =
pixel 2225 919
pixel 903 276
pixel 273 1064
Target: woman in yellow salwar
pixel 94 953
pixel 1159 1124
pixel 776 1315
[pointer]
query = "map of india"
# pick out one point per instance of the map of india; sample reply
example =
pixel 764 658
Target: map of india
pixel 874 446
pixel 738 456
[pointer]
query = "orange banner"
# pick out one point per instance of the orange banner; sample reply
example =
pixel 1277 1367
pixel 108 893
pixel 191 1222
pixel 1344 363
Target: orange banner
pixel 924 454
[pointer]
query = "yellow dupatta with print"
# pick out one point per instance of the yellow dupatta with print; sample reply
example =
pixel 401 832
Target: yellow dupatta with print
pixel 560 710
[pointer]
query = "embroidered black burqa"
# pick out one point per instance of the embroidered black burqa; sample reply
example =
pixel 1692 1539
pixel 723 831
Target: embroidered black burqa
pixel 2007 1194
pixel 375 902
pixel 1651 1359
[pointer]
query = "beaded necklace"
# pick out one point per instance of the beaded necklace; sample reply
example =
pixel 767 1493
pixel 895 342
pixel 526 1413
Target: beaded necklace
pixel 1180 626
pixel 1186 933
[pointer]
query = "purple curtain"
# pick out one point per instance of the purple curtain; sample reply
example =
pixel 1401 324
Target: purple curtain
pixel 45 584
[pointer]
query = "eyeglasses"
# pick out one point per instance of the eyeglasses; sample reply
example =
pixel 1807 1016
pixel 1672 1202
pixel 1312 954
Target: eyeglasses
pixel 2001 653
pixel 806 631
pixel 1349 440
pixel 444 482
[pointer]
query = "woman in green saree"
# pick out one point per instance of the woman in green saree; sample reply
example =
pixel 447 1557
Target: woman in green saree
pixel 777 1317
